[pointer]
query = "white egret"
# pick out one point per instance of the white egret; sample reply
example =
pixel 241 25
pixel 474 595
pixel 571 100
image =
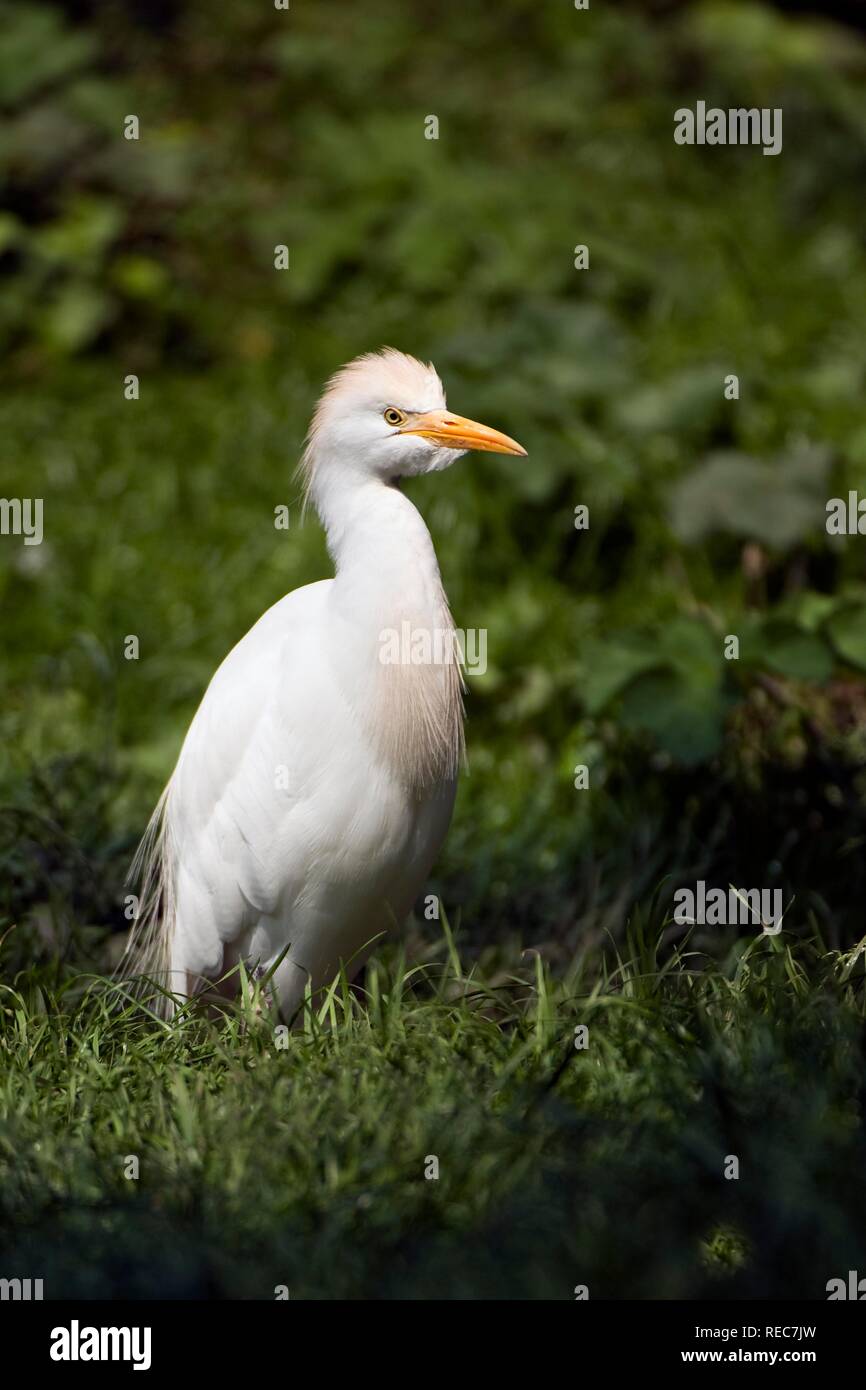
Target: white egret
pixel 316 782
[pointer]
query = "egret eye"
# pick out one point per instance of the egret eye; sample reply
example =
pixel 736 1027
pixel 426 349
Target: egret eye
pixel 394 416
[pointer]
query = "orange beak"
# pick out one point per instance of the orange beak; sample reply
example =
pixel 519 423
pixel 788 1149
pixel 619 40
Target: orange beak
pixel 456 432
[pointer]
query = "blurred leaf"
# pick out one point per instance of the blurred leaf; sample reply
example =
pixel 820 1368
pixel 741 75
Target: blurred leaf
pixel 847 632
pixel 74 317
pixel 778 503
pixel 37 49
pixel 608 666
pixel 685 719
pixel 10 231
pixel 695 396
pixel 799 655
pixel 82 234
pixel 668 684
pixel 139 277
pixel 807 610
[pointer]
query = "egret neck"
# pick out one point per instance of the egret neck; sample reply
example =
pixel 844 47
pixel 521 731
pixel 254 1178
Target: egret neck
pixel 387 582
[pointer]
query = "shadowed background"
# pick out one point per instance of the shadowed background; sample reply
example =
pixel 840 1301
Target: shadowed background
pixel 306 128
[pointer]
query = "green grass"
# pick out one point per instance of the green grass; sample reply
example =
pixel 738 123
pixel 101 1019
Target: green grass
pixel 263 1164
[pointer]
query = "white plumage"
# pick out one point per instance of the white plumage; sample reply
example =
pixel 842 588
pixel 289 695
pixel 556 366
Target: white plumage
pixel 316 782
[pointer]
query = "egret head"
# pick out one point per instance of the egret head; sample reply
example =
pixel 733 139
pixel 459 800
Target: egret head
pixel 384 416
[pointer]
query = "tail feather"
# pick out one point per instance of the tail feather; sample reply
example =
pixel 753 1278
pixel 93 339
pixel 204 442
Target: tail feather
pixel 147 956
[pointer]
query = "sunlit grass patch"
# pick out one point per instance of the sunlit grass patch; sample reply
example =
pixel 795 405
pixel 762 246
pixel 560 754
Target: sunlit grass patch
pixel 442 1134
